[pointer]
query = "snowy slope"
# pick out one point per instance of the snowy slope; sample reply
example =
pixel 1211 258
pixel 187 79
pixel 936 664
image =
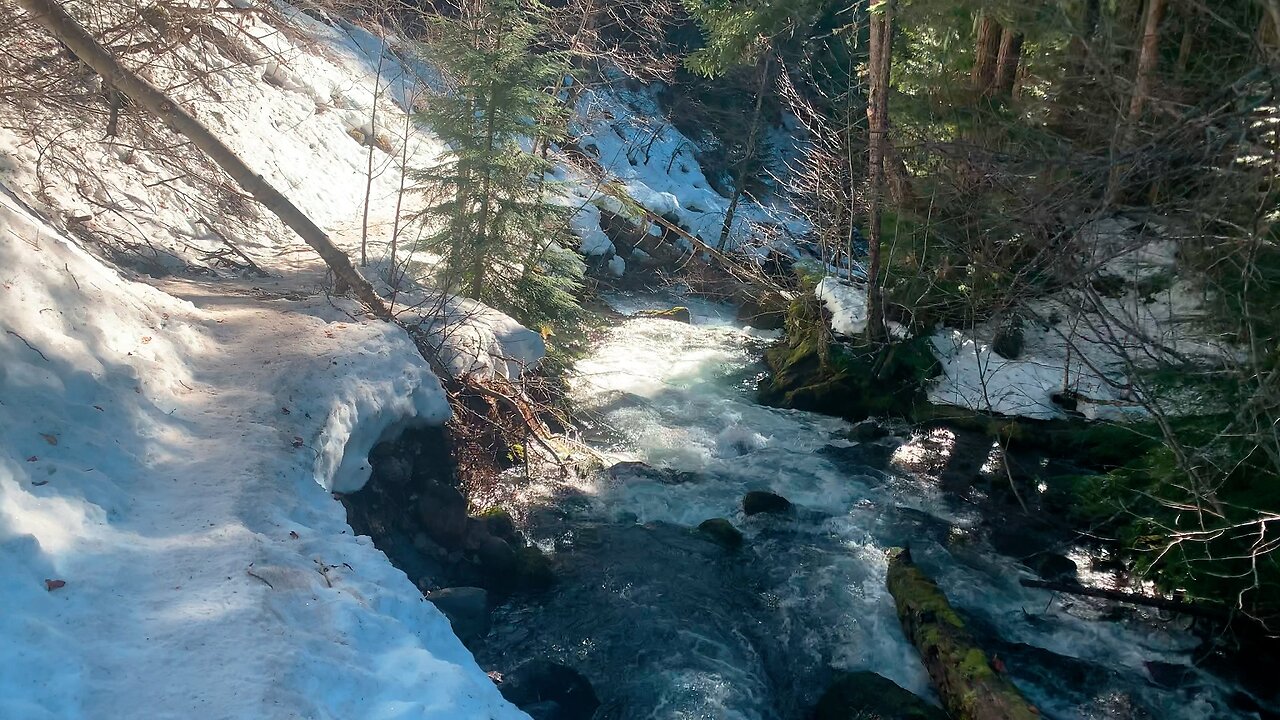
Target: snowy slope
pixel 169 461
pixel 172 429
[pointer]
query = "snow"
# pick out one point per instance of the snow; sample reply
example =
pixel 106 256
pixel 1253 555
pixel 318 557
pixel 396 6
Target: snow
pixel 173 429
pixel 644 158
pixel 1086 345
pixel 170 460
pixel 847 304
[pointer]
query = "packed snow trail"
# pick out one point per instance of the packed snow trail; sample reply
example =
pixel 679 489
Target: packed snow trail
pixel 160 459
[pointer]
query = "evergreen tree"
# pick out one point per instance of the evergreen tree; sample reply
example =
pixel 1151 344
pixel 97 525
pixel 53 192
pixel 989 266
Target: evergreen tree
pixel 500 240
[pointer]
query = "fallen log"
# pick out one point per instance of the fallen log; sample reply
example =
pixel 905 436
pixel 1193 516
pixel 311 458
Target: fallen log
pixel 969 687
pixel 1170 604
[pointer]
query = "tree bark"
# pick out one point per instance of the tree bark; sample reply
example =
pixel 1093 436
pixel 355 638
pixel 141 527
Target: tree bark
pixel 1148 58
pixel 878 124
pixel 969 687
pixel 1007 61
pixel 65 29
pixel 985 52
pixel 740 180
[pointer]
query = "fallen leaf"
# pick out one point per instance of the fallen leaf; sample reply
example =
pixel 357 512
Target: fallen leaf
pixel 146 339
pixel 38 483
pixel 284 410
pixel 51 439
pixel 52 585
pixel 329 334
pixel 297 441
pixel 98 408
pixel 33 458
pixel 293 535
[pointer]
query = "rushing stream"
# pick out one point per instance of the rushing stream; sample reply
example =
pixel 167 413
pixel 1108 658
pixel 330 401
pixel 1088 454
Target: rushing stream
pixel 666 624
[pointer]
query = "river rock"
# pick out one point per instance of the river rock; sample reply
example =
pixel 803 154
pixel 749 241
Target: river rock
pixel 868 696
pixel 443 511
pixel 499 523
pixel 721 531
pixel 497 561
pixel 678 314
pixel 467 609
pixel 764 313
pixel 763 501
pixel 554 691
pixel 867 431
pixel 1053 567
pixel 630 471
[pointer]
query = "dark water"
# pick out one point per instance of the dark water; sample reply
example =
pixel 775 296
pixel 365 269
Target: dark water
pixel 668 624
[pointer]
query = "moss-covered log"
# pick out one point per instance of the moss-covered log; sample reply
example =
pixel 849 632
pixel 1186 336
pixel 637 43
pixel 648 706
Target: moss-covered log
pixel 968 685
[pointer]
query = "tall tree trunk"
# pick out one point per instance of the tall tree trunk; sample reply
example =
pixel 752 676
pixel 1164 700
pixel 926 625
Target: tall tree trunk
pixel 1189 18
pixel 1148 58
pixel 1007 61
pixel 65 29
pixel 477 270
pixel 740 180
pixel 985 52
pixel 878 124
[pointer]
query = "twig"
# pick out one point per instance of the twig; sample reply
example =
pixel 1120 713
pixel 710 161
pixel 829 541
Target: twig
pixel 34 349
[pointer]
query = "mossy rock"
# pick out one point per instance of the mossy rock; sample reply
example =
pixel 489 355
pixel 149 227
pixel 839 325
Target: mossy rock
pixel 722 532
pixel 868 696
pixel 850 380
pixel 533 569
pixel 499 523
pixel 763 501
pixel 678 314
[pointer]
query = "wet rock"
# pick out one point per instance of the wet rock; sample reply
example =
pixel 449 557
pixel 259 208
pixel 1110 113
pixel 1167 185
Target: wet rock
pixel 867 431
pixel 533 569
pixel 467 609
pixel 721 531
pixel 552 690
pixel 763 501
pixel 499 523
pixel 443 511
pixel 1008 341
pixel 678 314
pixel 1053 567
pixel 1169 675
pixel 868 696
pixel 637 471
pixel 765 313
pixel 497 561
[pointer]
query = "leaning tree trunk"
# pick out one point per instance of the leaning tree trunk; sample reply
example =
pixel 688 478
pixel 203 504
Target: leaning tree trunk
pixel 878 124
pixel 64 28
pixel 1148 58
pixel 969 687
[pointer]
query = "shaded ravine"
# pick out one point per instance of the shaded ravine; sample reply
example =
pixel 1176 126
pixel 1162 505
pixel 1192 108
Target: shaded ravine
pixel 666 623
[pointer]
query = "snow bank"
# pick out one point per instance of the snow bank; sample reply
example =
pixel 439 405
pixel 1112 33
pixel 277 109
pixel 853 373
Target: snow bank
pixel 1082 346
pixel 644 157
pixel 847 304
pixel 168 551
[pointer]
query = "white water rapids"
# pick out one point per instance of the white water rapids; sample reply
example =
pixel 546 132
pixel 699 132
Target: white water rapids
pixel 666 629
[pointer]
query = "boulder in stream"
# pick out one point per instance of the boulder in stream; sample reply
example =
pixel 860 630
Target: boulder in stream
pixel 763 501
pixel 443 512
pixel 467 609
pixel 550 691
pixel 868 696
pixel 722 532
